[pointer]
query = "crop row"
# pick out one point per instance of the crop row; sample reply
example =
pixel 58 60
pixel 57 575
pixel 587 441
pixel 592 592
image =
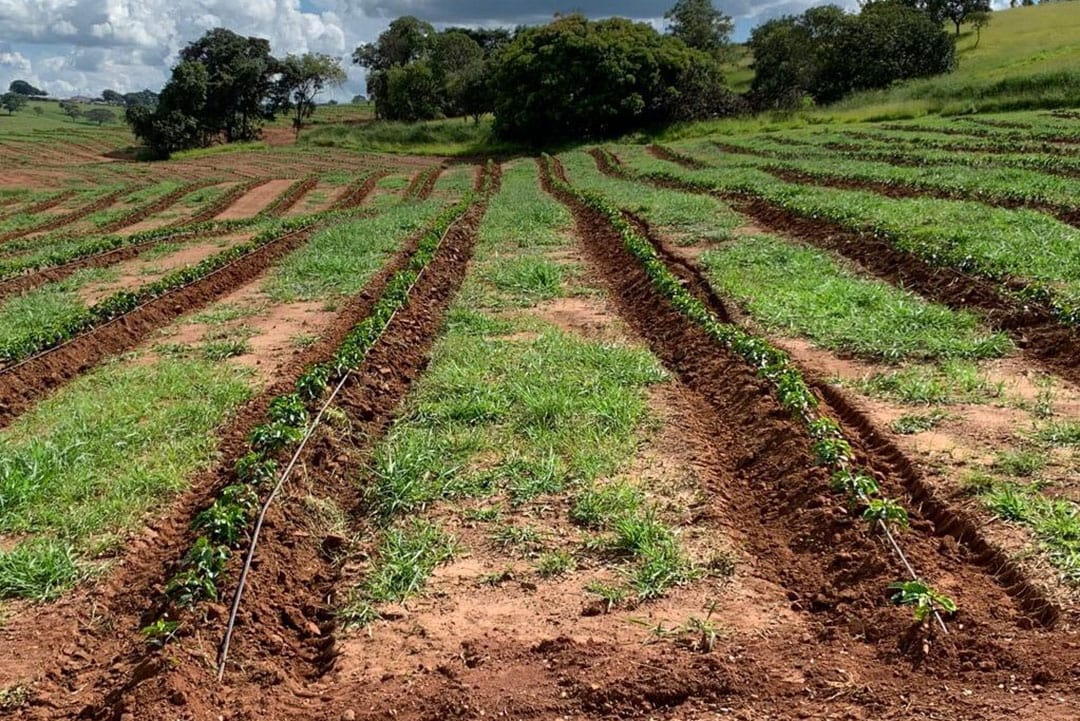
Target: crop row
pixel 994 185
pixel 969 237
pixel 100 203
pixel 49 335
pixel 290 197
pixel 222 525
pixel 830 447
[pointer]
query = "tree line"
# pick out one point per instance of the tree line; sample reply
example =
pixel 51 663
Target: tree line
pixel 571 78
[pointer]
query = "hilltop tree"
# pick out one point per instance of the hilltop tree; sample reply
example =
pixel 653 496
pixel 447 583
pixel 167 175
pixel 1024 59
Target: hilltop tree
pixel 302 78
pixel 13 102
pixel 979 20
pixel 955 11
pixel 101 116
pixel 21 87
pixel 70 109
pixel 144 97
pixel 112 97
pixel 700 25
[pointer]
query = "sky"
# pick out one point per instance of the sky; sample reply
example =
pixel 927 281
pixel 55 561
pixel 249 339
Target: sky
pixel 82 47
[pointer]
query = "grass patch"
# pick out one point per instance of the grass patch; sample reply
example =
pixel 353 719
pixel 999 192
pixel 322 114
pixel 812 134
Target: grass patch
pixel 83 466
pixel 950 382
pixel 339 261
pixel 912 423
pixel 436 137
pixel 1021 464
pixel 803 291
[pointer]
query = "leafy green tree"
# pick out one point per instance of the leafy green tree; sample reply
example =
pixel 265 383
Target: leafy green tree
pixel 143 97
pixel 240 75
pixel 955 11
pixel 458 63
pixel 112 97
pixel 490 40
pixel 303 77
pixel 577 78
pixel 407 40
pixel 70 109
pixel 101 116
pixel 21 87
pixel 412 92
pixel 700 25
pixel 979 20
pixel 12 102
pixel 826 53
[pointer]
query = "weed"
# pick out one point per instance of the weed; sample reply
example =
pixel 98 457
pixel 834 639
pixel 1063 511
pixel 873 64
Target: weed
pixel 496 578
pixel 218 350
pixel 1022 464
pixel 487 514
pixel 555 563
pixel 526 539
pixel 599 506
pixel 1062 433
pixel 12 698
pixel 612 596
pixel 405 559
pixel 912 423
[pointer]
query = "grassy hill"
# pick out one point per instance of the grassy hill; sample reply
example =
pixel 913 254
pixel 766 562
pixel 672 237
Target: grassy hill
pixel 1029 57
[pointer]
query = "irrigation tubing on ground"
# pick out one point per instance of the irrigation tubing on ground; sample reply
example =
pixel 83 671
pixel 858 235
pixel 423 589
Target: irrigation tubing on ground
pixel 223 655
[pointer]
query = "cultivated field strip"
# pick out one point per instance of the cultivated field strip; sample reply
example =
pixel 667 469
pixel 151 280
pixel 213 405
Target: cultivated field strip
pixel 817 547
pixel 143 212
pixel 946 515
pixel 63 219
pixel 370 397
pixel 106 333
pixel 1038 328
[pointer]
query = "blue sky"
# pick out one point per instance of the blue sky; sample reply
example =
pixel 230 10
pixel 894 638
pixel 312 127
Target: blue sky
pixel 81 47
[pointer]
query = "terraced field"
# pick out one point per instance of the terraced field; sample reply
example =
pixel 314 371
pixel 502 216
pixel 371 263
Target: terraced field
pixel 751 426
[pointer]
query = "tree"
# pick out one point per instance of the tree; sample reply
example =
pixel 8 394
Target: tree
pixel 960 10
pixel 70 109
pixel 38 110
pixel 412 92
pixel 490 40
pixel 112 97
pixel 407 40
pixel 101 116
pixel 826 53
pixel 458 64
pixel 240 76
pixel 577 78
pixel 303 77
pixel 12 102
pixel 979 20
pixel 21 87
pixel 146 98
pixel 700 25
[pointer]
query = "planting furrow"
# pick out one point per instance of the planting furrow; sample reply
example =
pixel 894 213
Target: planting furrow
pixel 1007 306
pixel 51 202
pixel 118 322
pixel 36 275
pixel 139 214
pixel 842 181
pixel 284 623
pixel 423 183
pixel 222 204
pixel 292 195
pixel 67 218
pixel 833 572
pixel 131 593
pixel 356 193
